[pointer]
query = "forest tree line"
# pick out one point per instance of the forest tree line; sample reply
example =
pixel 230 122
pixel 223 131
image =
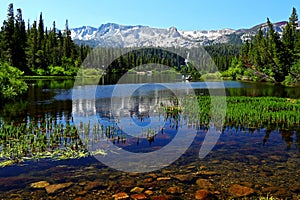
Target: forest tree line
pixel 270 56
pixel 37 50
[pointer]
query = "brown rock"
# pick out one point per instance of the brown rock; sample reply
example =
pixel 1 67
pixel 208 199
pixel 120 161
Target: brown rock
pixel 295 188
pixel 275 158
pixel 148 192
pixel 94 185
pixel 152 175
pixel 175 190
pixel 205 184
pixel 120 195
pixel 163 197
pixel 184 177
pixel 210 173
pixel 240 191
pixel 148 180
pixel 127 183
pixel 163 178
pixel 80 198
pixel 203 195
pixel 50 189
pixel 283 193
pixel 39 184
pixel 270 189
pixel 137 190
pixel 82 193
pixel 138 196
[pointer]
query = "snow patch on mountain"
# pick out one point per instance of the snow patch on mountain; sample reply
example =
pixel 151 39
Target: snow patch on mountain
pixel 116 35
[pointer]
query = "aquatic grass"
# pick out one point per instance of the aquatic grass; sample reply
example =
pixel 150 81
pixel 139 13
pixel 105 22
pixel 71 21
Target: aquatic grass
pixel 47 139
pixel 33 141
pixel 271 112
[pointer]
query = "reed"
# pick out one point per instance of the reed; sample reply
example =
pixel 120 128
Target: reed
pixel 48 139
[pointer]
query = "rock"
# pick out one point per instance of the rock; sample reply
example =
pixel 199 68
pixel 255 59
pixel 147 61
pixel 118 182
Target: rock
pixel 275 158
pixel 163 197
pixel 283 193
pixel 127 183
pixel 39 184
pixel 50 189
pixel 210 173
pixel 163 178
pixel 80 198
pixel 295 188
pixel 152 175
pixel 82 193
pixel 120 195
pixel 240 191
pixel 205 184
pixel 191 167
pixel 134 174
pixel 148 192
pixel 175 190
pixel 138 196
pixel 94 185
pixel 204 195
pixel 137 190
pixel 270 190
pixel 147 180
pixel 184 177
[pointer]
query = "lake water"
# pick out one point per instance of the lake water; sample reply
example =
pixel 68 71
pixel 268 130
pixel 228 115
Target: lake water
pixel 260 160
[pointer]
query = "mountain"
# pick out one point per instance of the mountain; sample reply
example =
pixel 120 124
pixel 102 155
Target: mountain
pixel 116 35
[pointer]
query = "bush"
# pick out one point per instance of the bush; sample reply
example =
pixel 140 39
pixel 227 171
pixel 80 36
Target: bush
pixel 10 84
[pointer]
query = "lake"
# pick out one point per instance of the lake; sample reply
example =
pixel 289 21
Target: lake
pixel 132 123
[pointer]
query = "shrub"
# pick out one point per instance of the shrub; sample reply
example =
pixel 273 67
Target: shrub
pixel 10 84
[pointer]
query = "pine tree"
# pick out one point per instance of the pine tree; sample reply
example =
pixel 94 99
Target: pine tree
pixel 7 36
pixel 40 36
pixel 67 41
pixel 20 43
pixel 32 47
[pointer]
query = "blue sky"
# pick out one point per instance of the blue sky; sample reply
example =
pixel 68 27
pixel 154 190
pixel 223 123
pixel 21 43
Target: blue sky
pixel 183 14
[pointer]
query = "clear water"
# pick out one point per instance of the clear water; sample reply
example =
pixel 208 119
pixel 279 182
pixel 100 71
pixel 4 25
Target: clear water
pixel 257 157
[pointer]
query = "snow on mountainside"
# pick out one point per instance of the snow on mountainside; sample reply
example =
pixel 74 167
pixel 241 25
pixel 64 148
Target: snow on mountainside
pixel 116 35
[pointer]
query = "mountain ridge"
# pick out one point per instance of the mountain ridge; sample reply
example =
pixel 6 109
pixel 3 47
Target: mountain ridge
pixel 116 35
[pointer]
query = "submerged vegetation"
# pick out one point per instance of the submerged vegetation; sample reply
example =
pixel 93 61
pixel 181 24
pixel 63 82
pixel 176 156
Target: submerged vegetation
pixel 51 140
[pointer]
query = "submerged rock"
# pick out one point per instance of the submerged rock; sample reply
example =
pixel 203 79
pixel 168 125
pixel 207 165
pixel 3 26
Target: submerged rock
pixel 94 185
pixel 50 189
pixel 120 195
pixel 205 184
pixel 39 184
pixel 175 190
pixel 204 195
pixel 137 190
pixel 138 196
pixel 240 191
pixel 184 177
